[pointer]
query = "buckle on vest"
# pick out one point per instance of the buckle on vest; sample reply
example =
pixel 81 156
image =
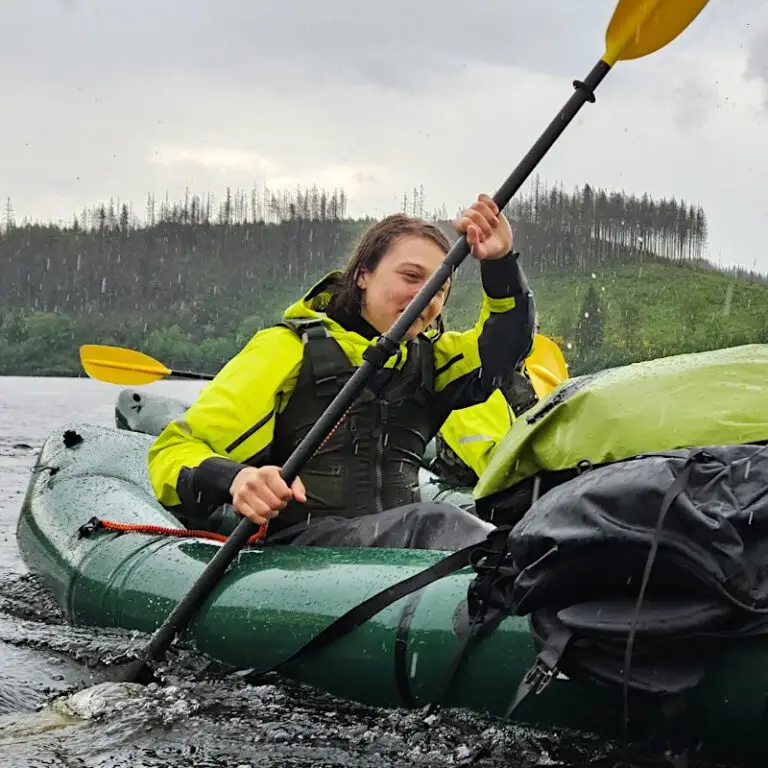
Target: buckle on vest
pixel 309 329
pixel 325 358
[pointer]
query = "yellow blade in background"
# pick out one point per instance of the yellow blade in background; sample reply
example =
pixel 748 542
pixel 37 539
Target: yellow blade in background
pixel 120 366
pixel 546 365
pixel 640 27
pixel 543 380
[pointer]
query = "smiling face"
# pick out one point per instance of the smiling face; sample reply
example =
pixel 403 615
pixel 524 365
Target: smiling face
pixel 391 263
pixel 399 275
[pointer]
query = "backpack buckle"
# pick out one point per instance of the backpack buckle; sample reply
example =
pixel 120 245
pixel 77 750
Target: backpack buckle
pixel 535 680
pixel 543 671
pixel 539 676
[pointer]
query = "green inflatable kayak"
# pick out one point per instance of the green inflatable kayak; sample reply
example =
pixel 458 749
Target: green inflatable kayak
pixel 270 602
pixel 274 600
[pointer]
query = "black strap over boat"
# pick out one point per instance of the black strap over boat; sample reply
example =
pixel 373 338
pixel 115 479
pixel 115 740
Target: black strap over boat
pixel 364 611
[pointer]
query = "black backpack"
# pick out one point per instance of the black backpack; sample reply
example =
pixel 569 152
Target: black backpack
pixel 637 574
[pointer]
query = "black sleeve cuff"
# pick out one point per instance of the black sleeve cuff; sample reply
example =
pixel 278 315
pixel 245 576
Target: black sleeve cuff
pixel 215 475
pixel 503 278
pixel 202 489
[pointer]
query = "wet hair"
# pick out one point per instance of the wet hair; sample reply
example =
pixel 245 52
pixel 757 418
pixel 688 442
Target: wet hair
pixel 348 296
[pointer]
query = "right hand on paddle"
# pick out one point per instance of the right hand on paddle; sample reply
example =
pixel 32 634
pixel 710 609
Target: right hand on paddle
pixel 259 493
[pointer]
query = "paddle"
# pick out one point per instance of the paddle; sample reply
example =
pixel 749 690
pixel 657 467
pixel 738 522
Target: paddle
pixel 117 365
pixel 637 28
pixel 127 367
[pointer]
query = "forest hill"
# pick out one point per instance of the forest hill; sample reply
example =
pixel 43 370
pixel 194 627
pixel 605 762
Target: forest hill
pixel 190 281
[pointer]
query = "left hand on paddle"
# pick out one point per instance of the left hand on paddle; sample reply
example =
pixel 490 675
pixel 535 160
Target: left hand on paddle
pixel 488 231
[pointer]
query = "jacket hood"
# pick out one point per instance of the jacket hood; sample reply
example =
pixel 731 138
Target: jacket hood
pixel 314 302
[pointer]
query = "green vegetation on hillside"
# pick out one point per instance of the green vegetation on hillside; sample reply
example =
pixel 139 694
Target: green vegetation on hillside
pixel 642 312
pixel 616 278
pixel 654 310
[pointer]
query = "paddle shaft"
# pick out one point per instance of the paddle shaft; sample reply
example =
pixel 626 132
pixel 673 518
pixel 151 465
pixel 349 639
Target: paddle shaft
pixel 374 357
pixel 190 375
pixel 583 93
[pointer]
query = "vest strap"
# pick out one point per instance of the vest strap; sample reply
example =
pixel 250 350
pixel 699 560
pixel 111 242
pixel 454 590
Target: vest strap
pixel 325 363
pixel 427 360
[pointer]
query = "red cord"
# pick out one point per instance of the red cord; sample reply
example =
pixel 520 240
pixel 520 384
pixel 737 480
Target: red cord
pixel 161 530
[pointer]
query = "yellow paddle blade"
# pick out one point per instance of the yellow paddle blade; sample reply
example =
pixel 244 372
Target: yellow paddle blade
pixel 640 27
pixel 543 380
pixel 120 366
pixel 546 353
pixel 546 365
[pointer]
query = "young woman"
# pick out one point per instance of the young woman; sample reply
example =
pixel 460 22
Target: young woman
pixel 361 486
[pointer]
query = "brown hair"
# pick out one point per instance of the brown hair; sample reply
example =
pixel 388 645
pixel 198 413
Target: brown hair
pixel 348 296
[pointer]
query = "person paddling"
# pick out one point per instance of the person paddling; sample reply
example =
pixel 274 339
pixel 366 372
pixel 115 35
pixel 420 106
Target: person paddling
pixel 361 486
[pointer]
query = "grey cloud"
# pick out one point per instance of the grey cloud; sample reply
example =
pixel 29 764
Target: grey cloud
pixel 757 60
pixel 398 44
pixel 98 91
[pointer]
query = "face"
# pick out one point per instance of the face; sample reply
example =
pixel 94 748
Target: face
pixel 397 278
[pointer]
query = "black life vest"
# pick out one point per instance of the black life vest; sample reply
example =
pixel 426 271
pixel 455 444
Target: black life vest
pixel 371 461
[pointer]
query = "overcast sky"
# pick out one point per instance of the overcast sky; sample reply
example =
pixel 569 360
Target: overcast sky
pixel 106 98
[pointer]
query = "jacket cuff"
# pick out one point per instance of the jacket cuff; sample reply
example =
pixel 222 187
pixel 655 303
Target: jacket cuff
pixel 214 476
pixel 503 278
pixel 205 488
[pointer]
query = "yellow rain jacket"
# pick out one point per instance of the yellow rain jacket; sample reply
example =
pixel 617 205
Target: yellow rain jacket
pixel 232 423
